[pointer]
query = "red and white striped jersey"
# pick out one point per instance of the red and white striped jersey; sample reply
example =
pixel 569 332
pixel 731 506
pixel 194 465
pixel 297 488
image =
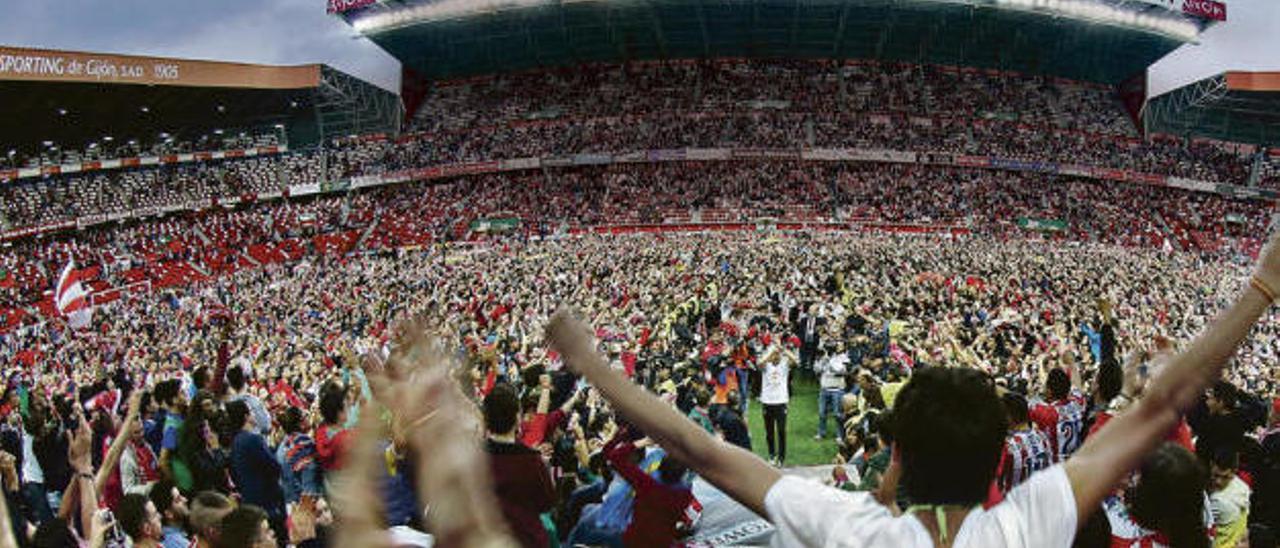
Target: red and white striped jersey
pixel 1026 450
pixel 1063 421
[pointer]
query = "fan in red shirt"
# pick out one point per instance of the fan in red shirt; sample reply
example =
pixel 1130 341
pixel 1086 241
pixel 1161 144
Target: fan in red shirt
pixel 660 504
pixel 1062 416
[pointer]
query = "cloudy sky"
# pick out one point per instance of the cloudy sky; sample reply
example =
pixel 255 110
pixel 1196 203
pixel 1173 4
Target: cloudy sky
pixel 299 31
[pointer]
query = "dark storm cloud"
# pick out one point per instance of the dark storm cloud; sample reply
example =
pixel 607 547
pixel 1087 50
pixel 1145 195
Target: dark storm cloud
pixel 255 31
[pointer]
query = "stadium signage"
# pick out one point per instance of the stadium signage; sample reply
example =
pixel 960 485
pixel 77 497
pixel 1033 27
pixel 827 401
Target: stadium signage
pixel 97 68
pixel 341 6
pixel 1207 9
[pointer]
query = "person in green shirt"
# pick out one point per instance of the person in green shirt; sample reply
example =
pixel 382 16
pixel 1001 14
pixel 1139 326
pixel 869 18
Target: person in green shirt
pixel 699 413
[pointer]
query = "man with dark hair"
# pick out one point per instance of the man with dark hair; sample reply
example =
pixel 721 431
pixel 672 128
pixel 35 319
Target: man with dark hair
pixel 300 473
pixel 1219 428
pixel 332 438
pixel 520 478
pixel 1061 415
pixel 207 510
pixel 1026 448
pixel 236 379
pixel 949 428
pixel 172 507
pixel 140 520
pixel 174 402
pixel 246 527
pixel 254 467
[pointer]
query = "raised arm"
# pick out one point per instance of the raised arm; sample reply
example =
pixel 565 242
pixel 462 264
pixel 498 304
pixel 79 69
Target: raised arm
pixel 740 474
pixel 1120 445
pixel 112 458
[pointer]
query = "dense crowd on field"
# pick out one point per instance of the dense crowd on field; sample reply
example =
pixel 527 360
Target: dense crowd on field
pixel 237 410
pixel 179 249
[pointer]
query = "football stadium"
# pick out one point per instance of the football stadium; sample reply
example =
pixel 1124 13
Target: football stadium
pixel 641 273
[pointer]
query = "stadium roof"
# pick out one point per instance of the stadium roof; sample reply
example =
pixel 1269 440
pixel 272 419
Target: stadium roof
pixel 1105 41
pixel 74 99
pixel 1241 107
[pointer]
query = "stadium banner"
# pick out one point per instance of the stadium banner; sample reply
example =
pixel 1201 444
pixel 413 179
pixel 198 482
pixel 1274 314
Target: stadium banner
pixel 365 180
pixel 858 155
pixel 69 168
pixel 557 161
pixel 708 154
pixel 304 189
pixel 496 224
pixel 592 159
pixel 29 172
pixel 91 220
pixel 757 153
pixel 666 155
pixel 1191 184
pixel 1044 225
pixel 39 65
pixel 1078 171
pixel 972 161
pixel 519 163
pixel 470 168
pixel 1146 178
pixel 628 157
pixel 1208 9
pixel 335 186
pixel 1240 192
pixel 936 158
pixel 1023 165
pixel 343 6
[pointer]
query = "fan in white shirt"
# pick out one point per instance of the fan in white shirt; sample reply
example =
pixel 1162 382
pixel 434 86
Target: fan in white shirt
pixel 949 429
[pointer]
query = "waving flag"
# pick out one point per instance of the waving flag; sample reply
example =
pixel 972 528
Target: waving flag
pixel 71 298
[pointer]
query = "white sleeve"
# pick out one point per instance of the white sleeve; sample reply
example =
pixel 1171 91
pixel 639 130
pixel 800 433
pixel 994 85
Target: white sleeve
pixel 1046 507
pixel 807 513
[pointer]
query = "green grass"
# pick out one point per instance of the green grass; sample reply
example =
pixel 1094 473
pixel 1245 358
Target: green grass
pixel 802 424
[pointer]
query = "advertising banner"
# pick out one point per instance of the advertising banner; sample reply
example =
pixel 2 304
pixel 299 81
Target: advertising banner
pixel 1023 165
pixel 755 153
pixel 627 157
pixel 672 155
pixel 519 163
pixel 592 159
pixel 707 153
pixel 469 168
pixel 38 65
pixel 343 6
pixel 558 161
pixel 304 189
pixel 972 161
pixel 1191 184
pixel 1045 225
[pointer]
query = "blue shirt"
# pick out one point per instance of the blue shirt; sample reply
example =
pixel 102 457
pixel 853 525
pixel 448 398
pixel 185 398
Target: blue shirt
pixel 175 538
pixel 172 424
pixel 256 472
pixel 619 500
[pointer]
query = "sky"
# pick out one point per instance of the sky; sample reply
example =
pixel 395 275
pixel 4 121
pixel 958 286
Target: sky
pixel 299 31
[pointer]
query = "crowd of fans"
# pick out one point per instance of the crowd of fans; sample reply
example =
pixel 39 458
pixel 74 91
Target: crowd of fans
pixel 283 388
pixel 611 109
pixel 112 148
pixel 365 369
pixel 194 246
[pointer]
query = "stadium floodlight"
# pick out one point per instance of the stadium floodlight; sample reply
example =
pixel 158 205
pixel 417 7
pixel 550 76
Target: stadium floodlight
pixel 222 108
pixel 437 11
pixel 107 138
pixel 62 112
pixel 145 108
pixel 217 132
